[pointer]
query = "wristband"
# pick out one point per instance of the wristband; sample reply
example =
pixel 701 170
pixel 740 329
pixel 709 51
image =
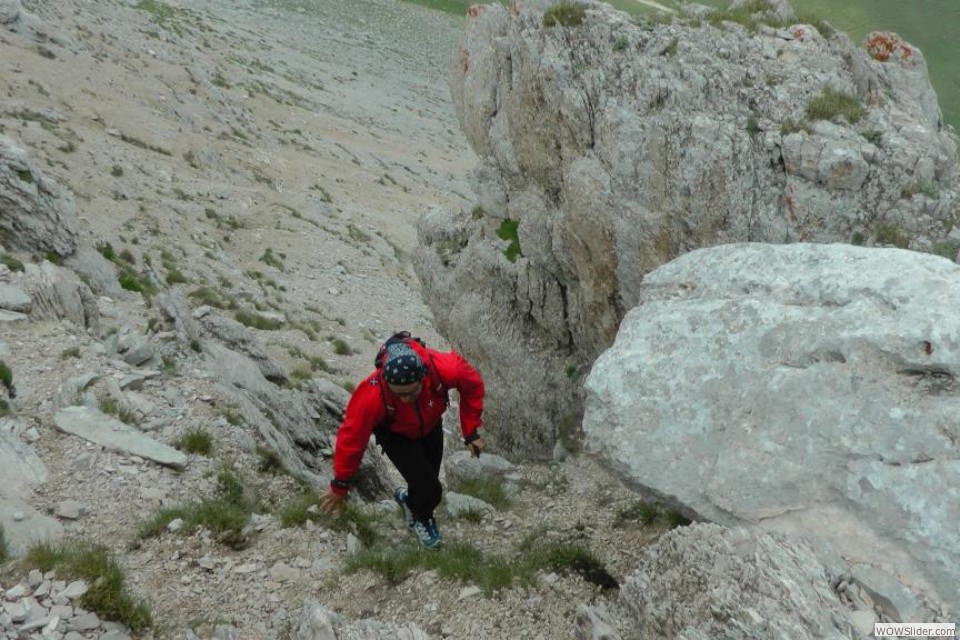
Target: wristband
pixel 339 487
pixel 473 437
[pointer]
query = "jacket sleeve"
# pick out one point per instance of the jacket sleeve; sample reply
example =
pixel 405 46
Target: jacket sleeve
pixel 364 412
pixel 459 374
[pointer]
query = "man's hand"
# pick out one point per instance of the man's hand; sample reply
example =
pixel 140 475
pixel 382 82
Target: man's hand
pixel 331 503
pixel 476 447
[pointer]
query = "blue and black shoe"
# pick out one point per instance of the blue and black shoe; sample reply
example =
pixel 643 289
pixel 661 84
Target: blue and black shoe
pixel 428 534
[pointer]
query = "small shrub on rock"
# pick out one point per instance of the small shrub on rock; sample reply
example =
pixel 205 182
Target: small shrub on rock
pixel 565 14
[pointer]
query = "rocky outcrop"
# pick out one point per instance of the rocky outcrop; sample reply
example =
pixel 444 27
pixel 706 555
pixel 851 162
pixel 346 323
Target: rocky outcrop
pixel 9 11
pixel 707 581
pixel 801 388
pixel 297 426
pixel 59 294
pixel 609 147
pixel 38 215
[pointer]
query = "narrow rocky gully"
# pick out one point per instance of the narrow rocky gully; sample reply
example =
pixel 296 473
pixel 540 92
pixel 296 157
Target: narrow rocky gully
pixel 270 157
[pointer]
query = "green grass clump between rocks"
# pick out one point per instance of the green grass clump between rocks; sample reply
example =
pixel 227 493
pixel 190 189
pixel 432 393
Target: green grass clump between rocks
pixel 256 320
pixel 465 563
pixel 224 515
pixel 645 513
pixel 106 595
pixel 486 489
pixel 195 441
pixel 351 518
pixel 830 103
pixel 12 263
pixel 565 14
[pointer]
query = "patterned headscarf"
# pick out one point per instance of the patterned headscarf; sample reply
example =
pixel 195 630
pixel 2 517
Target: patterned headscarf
pixel 403 365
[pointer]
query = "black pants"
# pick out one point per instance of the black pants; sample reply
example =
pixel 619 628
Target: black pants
pixel 418 461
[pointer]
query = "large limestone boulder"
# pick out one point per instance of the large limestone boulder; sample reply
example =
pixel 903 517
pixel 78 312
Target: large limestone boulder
pixel 800 388
pixel 610 147
pixel 708 581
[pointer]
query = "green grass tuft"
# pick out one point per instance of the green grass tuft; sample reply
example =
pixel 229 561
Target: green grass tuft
pixel 212 298
pixel 224 515
pixel 486 489
pixel 6 375
pixel 892 234
pixel 459 561
pixel 257 321
pixel 106 596
pixel 829 104
pixel 70 352
pixel 306 507
pixel 195 440
pixel 565 14
pixel 645 513
pixel 12 263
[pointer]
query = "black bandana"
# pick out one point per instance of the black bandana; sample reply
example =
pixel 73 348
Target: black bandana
pixel 403 365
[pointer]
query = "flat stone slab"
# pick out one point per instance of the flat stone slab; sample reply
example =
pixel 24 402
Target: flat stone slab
pixel 99 428
pixel 12 316
pixel 13 298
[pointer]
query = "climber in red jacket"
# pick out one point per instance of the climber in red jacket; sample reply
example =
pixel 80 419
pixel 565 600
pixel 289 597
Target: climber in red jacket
pixel 402 405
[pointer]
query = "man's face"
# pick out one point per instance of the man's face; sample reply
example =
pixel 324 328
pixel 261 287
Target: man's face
pixel 407 393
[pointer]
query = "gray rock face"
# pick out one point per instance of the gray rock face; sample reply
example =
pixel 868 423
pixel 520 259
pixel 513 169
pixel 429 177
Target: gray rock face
pixel 38 216
pixel 806 388
pixel 706 581
pixel 616 147
pixel 9 11
pixel 58 294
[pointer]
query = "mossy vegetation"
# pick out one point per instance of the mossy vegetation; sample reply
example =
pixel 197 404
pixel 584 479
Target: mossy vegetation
pixel 509 231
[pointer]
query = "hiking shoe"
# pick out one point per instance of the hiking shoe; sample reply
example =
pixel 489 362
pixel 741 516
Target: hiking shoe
pixel 428 534
pixel 400 495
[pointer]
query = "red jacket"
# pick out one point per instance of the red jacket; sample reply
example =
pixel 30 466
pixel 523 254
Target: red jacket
pixel 368 407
